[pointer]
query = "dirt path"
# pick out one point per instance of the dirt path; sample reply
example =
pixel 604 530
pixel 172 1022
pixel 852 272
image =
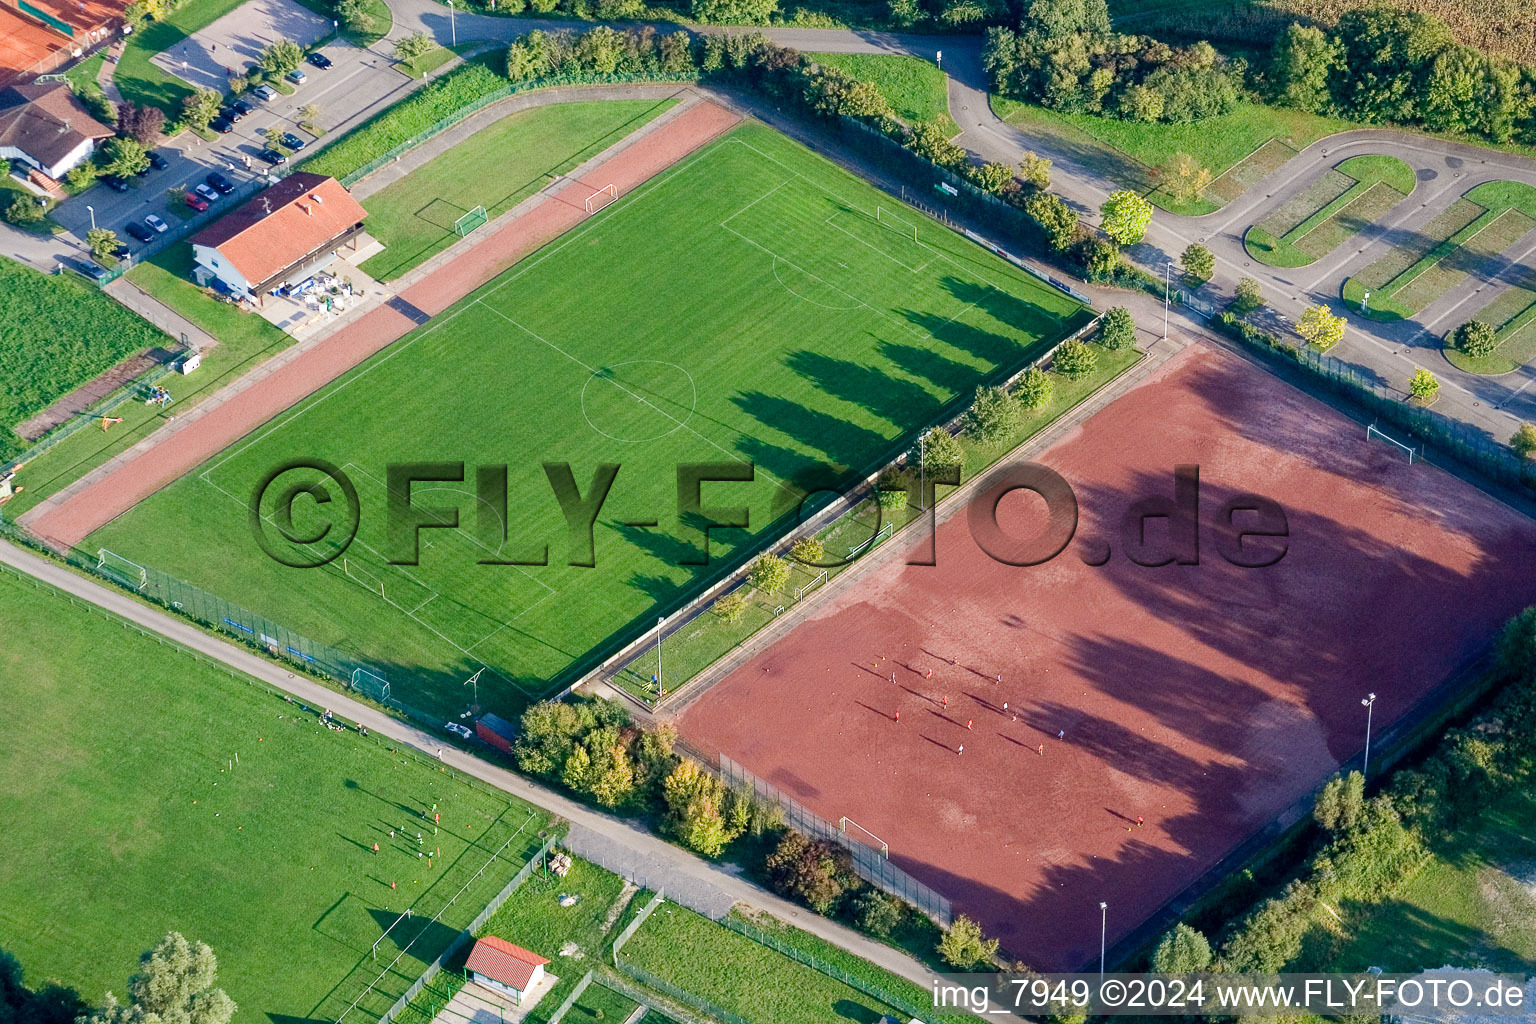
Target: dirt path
pixel 70 516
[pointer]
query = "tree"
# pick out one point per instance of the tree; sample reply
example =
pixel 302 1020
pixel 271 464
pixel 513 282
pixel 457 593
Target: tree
pixel 696 809
pixel 1304 59
pixel 1063 19
pixel 609 775
pixel 1320 327
pixel 769 573
pixel 993 415
pixel 1055 218
pixel 653 757
pixel 876 913
pixel 280 57
pixel 939 450
pixel 1036 170
pixel 309 117
pixel 963 945
pixel 1074 359
pixel 992 177
pixel 1524 441
pixel 102 242
pixel 930 140
pixel 141 124
pixel 735 12
pixel 1183 950
pixel 25 209
pixel 1126 216
pixel 355 14
pixel 808 550
pixel 807 870
pixel 1340 804
pixel 1103 260
pixel 1423 385
pixel 1035 388
pixel 1117 328
pixel 1199 263
pixel 200 108
pixel 548 735
pixel 1476 338
pixel 1184 177
pixel 1249 296
pixel 122 158
pixel 417 44
pixel 730 608
pixel 174 985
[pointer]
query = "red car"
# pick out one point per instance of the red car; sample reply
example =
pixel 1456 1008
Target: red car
pixel 196 201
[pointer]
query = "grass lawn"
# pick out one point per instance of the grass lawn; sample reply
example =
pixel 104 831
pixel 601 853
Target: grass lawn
pixel 598 1003
pixel 746 306
pixel 1333 209
pixel 534 919
pixel 427 63
pixel 496 168
pixel 244 341
pixel 1130 152
pixel 83 75
pixel 378 11
pixel 269 860
pixel 142 82
pixel 60 332
pixel 705 639
pixel 10 190
pixel 1476 228
pixel 739 975
pixel 915 88
pixel 1512 313
pixel 1473 905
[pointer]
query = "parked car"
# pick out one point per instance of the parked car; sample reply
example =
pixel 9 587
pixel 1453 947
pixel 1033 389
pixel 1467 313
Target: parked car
pixel 122 252
pixel 272 157
pixel 459 730
pixel 115 184
pixel 94 271
pixel 292 141
pixel 156 223
pixel 143 170
pixel 319 60
pixel 264 92
pixel 195 201
pixel 222 185
pixel 157 161
pixel 297 76
pixel 206 192
pixel 221 125
pixel 230 114
pixel 139 231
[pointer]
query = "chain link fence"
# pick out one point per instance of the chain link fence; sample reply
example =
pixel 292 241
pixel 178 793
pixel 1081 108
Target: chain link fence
pixel 872 864
pixel 139 388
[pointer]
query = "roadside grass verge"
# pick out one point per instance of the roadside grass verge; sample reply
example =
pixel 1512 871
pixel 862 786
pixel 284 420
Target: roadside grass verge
pixel 915 88
pixel 1325 215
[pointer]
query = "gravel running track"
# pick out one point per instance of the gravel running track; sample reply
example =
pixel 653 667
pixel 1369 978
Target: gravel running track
pixel 1206 699
pixel 180 447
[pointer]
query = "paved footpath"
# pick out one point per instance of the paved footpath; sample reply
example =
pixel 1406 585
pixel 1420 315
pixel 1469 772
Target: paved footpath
pixel 623 847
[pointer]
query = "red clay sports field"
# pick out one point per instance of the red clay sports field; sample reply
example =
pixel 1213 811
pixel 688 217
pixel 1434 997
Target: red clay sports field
pixel 1204 699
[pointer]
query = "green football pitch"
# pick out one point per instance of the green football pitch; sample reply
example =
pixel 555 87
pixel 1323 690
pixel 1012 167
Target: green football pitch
pixel 148 790
pixel 755 304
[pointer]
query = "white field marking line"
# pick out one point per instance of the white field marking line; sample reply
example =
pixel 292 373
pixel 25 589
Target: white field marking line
pixel 754 202
pixel 638 397
pixel 824 305
pixel 832 223
pixel 466 534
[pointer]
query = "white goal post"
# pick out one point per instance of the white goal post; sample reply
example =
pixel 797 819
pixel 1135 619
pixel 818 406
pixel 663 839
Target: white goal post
pixel 845 823
pixel 895 223
pixel 130 573
pixel 1375 432
pixel 596 201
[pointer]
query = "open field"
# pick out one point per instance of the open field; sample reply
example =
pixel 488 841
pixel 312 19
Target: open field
pixel 753 304
pixel 231 816
pixel 915 88
pixel 1513 314
pixel 145 83
pixel 1461 240
pixel 1240 148
pixel 60 332
pixel 1473 904
pixel 244 341
pixel 1327 214
pixel 496 168
pixel 739 975
pixel 1204 698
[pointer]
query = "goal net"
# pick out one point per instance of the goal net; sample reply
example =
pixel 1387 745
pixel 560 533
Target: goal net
pixel 903 227
pixel 470 221
pixel 602 197
pixel 130 574
pixel 1375 433
pixel 370 684
pixel 864 835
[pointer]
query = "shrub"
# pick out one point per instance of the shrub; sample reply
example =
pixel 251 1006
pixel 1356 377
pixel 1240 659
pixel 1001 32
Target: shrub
pixel 1476 338
pixel 876 913
pixel 808 551
pixel 963 945
pixel 1524 441
pixel 807 870
pixel 1074 359
pixel 1035 388
pixel 1340 803
pixel 1423 385
pixel 1181 951
pixel 1126 216
pixel 1320 327
pixel 25 209
pixel 939 450
pixel 993 415
pixel 1249 296
pixel 1199 262
pixel 730 608
pixel 1117 328
pixel 1055 218
pixel 769 573
pixel 891 491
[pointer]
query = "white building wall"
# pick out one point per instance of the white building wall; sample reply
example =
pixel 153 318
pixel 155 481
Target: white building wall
pixel 213 261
